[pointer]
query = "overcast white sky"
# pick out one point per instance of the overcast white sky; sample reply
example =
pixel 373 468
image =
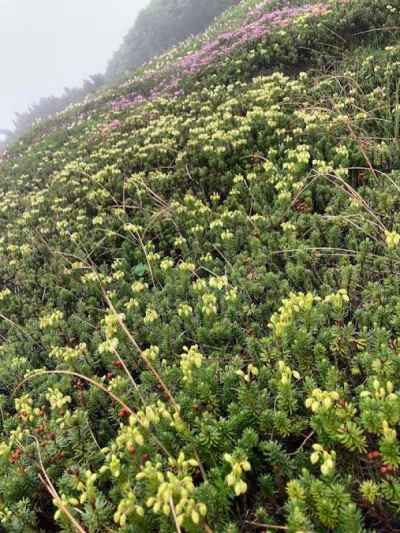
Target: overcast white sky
pixel 46 45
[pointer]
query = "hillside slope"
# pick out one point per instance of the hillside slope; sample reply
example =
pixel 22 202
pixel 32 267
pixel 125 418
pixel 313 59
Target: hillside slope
pixel 161 25
pixel 200 290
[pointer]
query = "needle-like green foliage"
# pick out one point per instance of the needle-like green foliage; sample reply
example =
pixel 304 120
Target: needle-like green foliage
pixel 200 289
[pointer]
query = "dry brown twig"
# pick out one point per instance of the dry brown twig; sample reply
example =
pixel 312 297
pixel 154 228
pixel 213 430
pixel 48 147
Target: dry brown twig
pixel 46 481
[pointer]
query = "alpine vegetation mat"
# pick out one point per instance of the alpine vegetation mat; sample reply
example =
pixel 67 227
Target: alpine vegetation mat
pixel 200 287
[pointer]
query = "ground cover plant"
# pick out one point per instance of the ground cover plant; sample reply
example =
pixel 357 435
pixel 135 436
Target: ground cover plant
pixel 200 291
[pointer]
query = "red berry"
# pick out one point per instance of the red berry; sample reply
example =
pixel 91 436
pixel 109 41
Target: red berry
pixel 374 454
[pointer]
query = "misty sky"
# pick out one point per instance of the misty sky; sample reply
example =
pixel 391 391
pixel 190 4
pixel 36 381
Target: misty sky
pixel 46 45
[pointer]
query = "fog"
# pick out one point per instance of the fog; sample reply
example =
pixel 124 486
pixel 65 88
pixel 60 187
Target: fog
pixel 46 45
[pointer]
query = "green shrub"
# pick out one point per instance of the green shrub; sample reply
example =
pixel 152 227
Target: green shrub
pixel 200 299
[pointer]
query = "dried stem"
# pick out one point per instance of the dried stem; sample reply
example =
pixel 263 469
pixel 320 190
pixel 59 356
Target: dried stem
pixel 44 478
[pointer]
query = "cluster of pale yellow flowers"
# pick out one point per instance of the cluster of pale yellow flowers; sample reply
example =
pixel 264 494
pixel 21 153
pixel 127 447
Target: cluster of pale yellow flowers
pixel 325 458
pixel 191 358
pixel 239 465
pixel 50 320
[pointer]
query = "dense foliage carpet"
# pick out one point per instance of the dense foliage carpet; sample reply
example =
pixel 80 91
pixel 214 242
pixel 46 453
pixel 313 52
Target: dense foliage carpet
pixel 200 290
